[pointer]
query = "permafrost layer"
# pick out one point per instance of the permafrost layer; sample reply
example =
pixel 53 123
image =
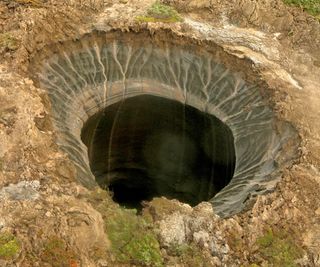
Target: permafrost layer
pixel 86 76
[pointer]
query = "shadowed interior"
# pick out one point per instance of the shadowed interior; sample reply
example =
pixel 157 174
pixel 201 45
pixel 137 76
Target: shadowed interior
pixel 148 146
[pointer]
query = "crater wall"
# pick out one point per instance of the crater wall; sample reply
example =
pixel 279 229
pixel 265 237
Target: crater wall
pixel 85 76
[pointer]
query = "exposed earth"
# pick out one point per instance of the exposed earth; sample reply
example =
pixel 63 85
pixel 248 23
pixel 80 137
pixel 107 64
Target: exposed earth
pixel 48 219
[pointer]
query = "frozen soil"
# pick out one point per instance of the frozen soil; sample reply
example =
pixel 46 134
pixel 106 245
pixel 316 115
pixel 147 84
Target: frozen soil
pixel 281 44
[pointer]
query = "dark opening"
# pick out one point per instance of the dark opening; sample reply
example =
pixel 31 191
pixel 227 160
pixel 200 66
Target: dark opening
pixel 148 146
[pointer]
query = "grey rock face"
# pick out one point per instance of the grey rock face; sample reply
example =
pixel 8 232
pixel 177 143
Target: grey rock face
pixel 173 230
pixel 85 78
pixel 25 190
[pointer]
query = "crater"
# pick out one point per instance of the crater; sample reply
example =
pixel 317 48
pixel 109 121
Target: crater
pixel 162 115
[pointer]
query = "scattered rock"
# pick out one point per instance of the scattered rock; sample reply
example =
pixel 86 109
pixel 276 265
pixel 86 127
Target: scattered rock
pixel 173 230
pixel 24 190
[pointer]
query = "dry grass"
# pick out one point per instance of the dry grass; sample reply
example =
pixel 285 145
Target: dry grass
pixel 310 6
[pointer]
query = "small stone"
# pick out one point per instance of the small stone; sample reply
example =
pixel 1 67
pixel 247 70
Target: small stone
pixel 24 190
pixel 216 262
pixel 102 263
pixel 204 207
pixel 2 224
pixel 225 249
pixel 172 230
pixel 201 238
pixel 28 81
pixel 48 214
pixel 219 250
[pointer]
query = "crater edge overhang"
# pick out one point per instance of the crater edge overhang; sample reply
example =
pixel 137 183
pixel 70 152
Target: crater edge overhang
pixel 85 76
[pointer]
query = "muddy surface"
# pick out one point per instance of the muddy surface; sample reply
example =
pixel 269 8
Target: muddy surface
pixel 280 46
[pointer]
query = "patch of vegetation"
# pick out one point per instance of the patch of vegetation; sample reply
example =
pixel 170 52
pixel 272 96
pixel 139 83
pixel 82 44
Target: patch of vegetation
pixel 311 6
pixel 279 249
pixel 9 246
pixel 57 254
pixel 132 240
pixel 188 255
pixel 98 252
pixel 160 13
pixel 8 42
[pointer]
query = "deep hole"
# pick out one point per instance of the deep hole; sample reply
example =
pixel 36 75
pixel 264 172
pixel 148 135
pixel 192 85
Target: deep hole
pixel 148 146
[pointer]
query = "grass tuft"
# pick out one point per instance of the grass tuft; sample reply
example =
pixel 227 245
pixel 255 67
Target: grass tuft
pixel 310 6
pixel 160 13
pixel 132 241
pixel 57 254
pixel 188 255
pixel 9 246
pixel 279 249
pixel 8 42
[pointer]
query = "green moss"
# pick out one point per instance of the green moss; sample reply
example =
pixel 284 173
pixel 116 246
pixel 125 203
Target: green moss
pixel 266 240
pixel 188 255
pixel 8 42
pixel 57 254
pixel 279 249
pixel 311 6
pixel 160 13
pixel 132 241
pixel 9 246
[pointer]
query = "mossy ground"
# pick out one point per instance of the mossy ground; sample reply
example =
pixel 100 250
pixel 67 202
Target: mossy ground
pixel 8 42
pixel 57 253
pixel 160 13
pixel 132 240
pixel 9 246
pixel 188 255
pixel 279 249
pixel 311 6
